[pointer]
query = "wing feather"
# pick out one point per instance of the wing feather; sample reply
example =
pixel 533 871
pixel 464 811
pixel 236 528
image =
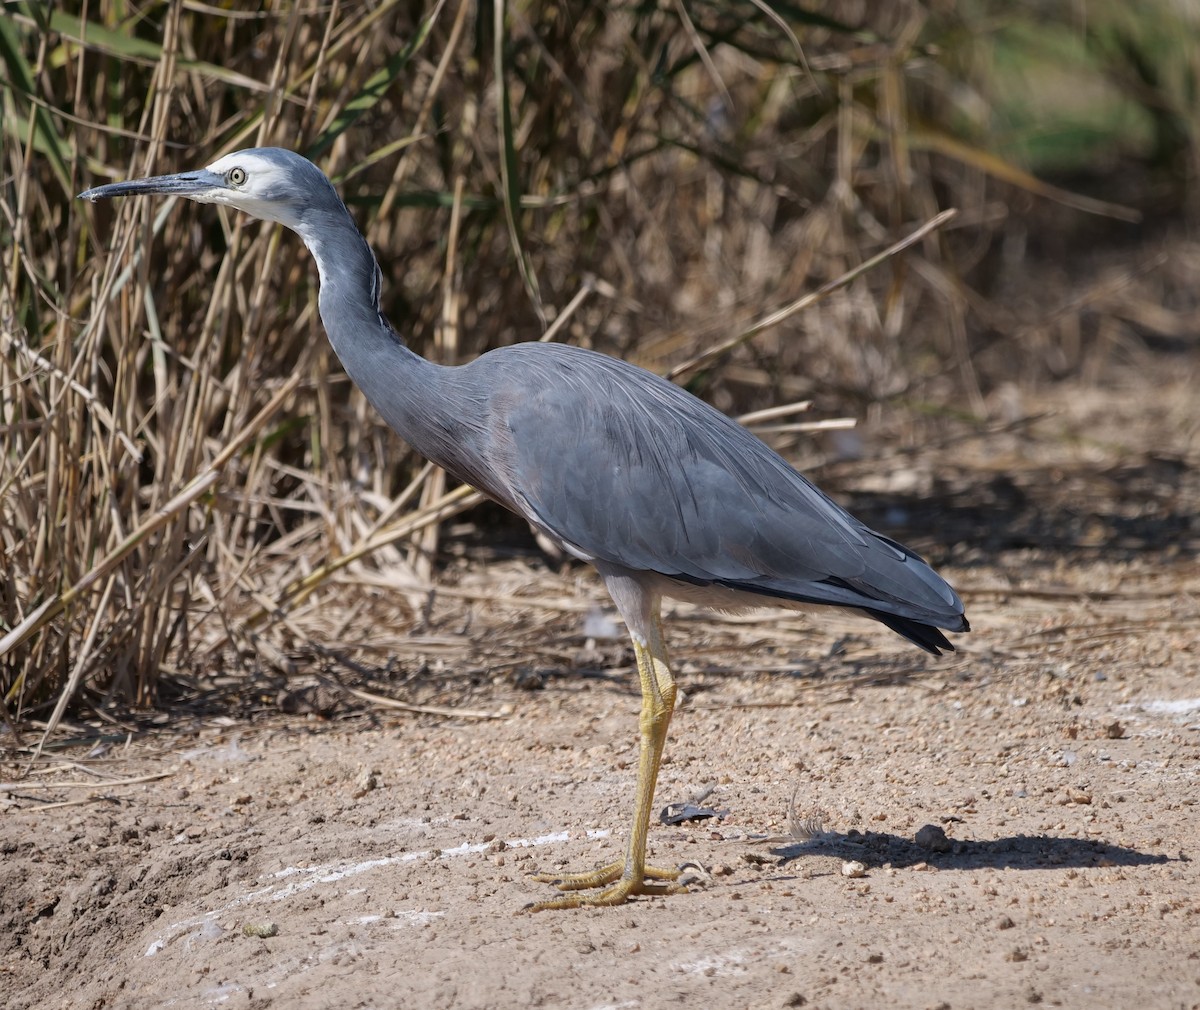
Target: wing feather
pixel 626 468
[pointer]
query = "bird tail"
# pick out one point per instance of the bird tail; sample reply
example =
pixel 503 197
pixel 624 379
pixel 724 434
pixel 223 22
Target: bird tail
pixel 924 636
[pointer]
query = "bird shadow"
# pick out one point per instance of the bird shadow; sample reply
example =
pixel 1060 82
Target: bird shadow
pixel 1011 852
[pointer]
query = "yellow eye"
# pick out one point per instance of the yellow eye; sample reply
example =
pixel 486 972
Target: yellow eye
pixel 236 176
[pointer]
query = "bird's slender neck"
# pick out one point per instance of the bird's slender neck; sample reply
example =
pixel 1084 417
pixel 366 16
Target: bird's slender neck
pixel 350 281
pixel 399 383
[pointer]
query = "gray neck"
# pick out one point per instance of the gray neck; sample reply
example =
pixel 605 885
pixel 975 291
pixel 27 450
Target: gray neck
pixel 404 387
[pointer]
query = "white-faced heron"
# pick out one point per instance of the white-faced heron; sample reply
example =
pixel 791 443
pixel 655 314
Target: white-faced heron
pixel 665 495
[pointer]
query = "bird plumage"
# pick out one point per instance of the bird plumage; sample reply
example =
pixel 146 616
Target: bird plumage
pixel 621 466
pixel 661 492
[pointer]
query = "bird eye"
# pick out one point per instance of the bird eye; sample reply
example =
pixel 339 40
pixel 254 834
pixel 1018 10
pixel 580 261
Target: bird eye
pixel 236 176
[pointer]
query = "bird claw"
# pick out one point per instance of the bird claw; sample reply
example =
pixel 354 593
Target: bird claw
pixel 653 880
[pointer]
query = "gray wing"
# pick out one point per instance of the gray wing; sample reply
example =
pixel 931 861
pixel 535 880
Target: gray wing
pixel 626 468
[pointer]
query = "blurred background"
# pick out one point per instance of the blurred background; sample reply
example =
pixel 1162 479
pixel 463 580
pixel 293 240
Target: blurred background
pixel 647 179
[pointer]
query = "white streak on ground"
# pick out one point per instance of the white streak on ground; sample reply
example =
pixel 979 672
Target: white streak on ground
pixel 1177 706
pixel 331 873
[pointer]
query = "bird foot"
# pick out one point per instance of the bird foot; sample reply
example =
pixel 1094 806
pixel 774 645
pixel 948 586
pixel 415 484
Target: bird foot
pixel 652 880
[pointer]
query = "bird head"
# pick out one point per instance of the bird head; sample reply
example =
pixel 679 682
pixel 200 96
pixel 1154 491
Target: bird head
pixel 265 182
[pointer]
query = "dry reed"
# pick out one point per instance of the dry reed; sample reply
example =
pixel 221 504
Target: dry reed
pixel 181 455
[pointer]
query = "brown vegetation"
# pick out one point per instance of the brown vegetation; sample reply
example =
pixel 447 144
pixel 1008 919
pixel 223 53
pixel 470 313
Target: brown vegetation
pixel 182 456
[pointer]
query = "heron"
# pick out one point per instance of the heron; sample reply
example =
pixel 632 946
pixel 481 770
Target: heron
pixel 662 493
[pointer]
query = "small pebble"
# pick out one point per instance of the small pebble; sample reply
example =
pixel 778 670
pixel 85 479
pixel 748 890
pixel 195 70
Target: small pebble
pixel 262 930
pixel 853 868
pixel 933 838
pixel 367 782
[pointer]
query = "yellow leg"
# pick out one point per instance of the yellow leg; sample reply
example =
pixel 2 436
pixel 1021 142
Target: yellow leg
pixel 632 876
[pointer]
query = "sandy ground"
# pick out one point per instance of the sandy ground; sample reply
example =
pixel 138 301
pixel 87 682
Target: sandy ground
pixel 367 858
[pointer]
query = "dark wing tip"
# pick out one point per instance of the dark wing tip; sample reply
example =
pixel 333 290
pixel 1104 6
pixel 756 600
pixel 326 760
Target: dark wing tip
pixel 924 636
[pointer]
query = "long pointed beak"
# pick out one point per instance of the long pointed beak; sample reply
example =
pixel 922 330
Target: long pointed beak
pixel 190 184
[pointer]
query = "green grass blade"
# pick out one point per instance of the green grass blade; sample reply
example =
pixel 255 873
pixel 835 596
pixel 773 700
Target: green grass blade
pixel 129 47
pixel 375 89
pixel 20 86
pixel 509 175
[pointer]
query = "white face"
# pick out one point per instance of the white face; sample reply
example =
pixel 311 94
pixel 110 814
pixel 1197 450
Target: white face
pixel 252 184
pixel 268 183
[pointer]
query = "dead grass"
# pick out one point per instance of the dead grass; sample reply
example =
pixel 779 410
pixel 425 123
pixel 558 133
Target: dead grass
pixel 187 481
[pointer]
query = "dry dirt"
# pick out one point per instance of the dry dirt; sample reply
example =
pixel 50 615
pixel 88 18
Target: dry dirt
pixel 374 858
